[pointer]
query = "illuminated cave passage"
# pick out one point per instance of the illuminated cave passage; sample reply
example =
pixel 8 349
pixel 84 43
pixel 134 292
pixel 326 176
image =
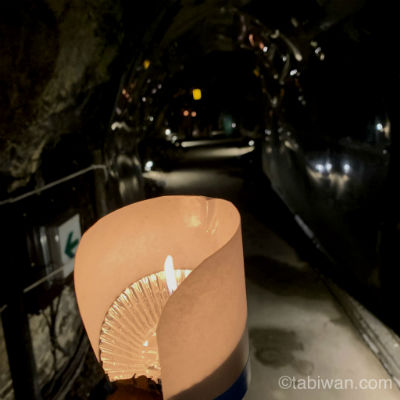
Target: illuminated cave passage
pixel 286 109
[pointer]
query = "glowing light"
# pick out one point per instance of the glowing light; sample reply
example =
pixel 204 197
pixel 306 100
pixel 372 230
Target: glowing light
pixel 328 167
pixel 265 49
pixel 144 99
pixel 379 127
pixel 170 274
pixel 256 71
pixel 151 118
pixel 251 143
pixel 346 168
pixel 319 168
pixel 196 94
pixel 148 166
pixel 167 132
pixel 233 124
pixel 293 72
pixel 146 64
pixel 193 113
pixel 251 39
pixel 186 113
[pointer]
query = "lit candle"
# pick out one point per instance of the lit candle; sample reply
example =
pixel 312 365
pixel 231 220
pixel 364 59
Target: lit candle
pixel 186 326
pixel 128 339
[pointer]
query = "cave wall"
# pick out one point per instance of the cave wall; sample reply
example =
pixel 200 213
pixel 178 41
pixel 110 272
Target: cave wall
pixel 61 61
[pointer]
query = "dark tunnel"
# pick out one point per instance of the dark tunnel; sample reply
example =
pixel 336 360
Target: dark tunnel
pixel 289 110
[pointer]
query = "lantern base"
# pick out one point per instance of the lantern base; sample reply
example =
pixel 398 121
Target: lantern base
pixel 239 388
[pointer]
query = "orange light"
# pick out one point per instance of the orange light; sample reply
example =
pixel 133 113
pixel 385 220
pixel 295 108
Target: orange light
pixel 146 64
pixel 196 94
pixel 251 39
pixel 186 113
pixel 193 113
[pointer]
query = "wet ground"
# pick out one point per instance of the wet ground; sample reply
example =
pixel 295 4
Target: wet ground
pixel 299 333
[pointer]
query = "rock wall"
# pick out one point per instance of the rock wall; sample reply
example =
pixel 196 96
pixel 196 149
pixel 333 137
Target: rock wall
pixel 59 71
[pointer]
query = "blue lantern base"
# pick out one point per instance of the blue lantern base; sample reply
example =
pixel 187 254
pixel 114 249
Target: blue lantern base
pixel 239 387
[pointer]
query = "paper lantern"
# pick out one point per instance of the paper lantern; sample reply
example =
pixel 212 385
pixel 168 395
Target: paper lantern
pixel 190 332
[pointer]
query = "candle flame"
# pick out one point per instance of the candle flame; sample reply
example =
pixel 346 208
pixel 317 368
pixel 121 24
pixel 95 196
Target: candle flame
pixel 170 274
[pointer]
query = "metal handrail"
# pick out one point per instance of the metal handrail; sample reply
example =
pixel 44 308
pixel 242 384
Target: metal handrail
pixel 51 184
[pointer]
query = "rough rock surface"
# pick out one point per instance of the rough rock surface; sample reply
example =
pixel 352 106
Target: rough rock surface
pixel 58 60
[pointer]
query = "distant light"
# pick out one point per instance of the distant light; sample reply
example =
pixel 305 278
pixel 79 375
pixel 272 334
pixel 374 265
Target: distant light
pixel 251 142
pixel 148 166
pixel 379 127
pixel 193 113
pixel 144 99
pixel 319 168
pixel 293 72
pixel 233 124
pixel 328 167
pixel 118 110
pixel 284 58
pixel 346 168
pixel 159 86
pixel 267 132
pixel 196 94
pixel 256 71
pixel 186 113
pixel 251 39
pixel 153 91
pixel 265 49
pixel 146 64
pixel 167 132
pixel 151 118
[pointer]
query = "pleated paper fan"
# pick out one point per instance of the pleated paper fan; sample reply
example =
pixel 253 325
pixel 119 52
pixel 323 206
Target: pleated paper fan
pixel 128 343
